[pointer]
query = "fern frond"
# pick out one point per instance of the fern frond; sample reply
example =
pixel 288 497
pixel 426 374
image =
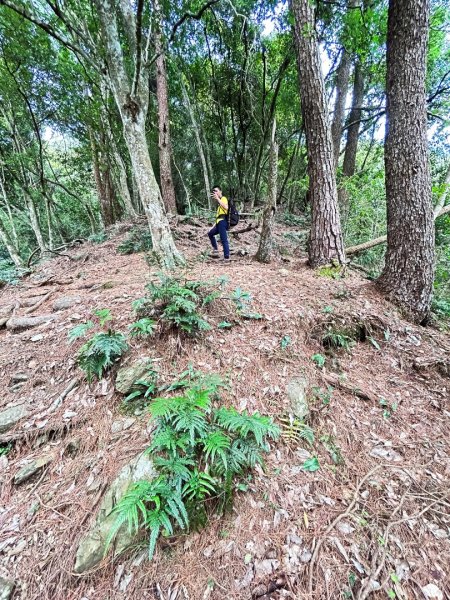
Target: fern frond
pixel 245 424
pixel 215 444
pixel 79 331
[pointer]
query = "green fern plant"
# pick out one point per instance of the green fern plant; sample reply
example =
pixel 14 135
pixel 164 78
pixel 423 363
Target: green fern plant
pixel 143 327
pixel 293 431
pixel 100 352
pixel 201 453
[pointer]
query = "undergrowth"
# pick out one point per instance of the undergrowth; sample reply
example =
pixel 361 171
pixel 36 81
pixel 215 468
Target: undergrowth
pixel 100 352
pixel 202 454
pixel 139 240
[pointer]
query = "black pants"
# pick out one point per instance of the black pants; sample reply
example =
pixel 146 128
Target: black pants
pixel 221 229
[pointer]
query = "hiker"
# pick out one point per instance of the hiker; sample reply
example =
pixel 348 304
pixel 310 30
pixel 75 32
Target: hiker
pixel 221 225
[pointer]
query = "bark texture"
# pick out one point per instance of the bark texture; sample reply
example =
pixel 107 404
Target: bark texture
pixel 265 249
pixel 131 97
pixel 164 141
pixel 325 243
pixel 407 277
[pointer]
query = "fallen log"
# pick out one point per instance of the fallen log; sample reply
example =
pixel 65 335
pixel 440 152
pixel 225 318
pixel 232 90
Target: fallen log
pixel 382 239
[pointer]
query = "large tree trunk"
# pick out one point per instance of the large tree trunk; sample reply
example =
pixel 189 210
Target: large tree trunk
pixel 325 243
pixel 163 243
pixel 131 97
pixel 122 184
pixel 265 249
pixel 164 142
pixel 409 268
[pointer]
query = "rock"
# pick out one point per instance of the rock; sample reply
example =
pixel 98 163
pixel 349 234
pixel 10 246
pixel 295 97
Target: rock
pixel 32 468
pixel 11 416
pixel 266 567
pixel 5 311
pixel 385 454
pixel 259 590
pixel 66 302
pixel 37 338
pixel 6 588
pixel 4 462
pixel 432 592
pixel 119 426
pixel 298 403
pixel 91 548
pixel 127 376
pixel 19 323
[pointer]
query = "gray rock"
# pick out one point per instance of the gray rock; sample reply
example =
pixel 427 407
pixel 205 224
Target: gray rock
pixel 66 302
pixel 6 588
pixel 93 545
pixel 20 323
pixel 11 416
pixel 266 567
pixel 298 403
pixel 32 468
pixel 127 376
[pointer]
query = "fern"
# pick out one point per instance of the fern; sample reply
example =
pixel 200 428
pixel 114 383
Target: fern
pixel 199 454
pixel 246 424
pixel 143 327
pixel 294 430
pixel 80 331
pixel 100 352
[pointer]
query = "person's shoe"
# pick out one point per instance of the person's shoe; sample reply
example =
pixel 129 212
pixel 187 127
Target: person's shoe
pixel 214 254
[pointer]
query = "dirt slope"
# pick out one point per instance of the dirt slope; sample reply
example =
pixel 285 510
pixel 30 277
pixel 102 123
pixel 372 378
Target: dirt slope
pixel 380 413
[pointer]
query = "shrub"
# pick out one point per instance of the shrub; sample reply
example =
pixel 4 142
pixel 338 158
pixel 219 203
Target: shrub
pixel 201 454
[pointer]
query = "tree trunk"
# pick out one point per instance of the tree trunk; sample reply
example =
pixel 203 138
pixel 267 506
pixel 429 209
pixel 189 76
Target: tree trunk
pixel 201 153
pixel 34 222
pixel 123 185
pixel 105 208
pixel 325 243
pixel 163 243
pixel 131 97
pixel 407 277
pixel 354 119
pixel 10 246
pixel 351 147
pixel 164 141
pixel 342 79
pixel 265 249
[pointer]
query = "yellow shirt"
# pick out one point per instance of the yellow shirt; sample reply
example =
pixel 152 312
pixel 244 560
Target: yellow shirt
pixel 221 211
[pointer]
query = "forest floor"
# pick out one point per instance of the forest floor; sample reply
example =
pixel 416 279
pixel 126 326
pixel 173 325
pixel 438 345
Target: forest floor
pixel 372 520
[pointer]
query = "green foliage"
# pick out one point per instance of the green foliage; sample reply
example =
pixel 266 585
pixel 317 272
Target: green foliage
pixel 178 303
pixel 202 454
pixel 98 238
pixel 5 449
pixel 80 330
pixel 311 465
pixel 319 359
pixel 100 352
pixel 388 408
pixel 285 342
pixel 8 273
pixel 241 299
pixel 143 327
pixel 335 338
pixel 333 271
pixel 143 389
pixel 139 240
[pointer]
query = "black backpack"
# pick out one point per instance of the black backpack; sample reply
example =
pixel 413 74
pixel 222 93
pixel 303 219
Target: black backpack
pixel 233 214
